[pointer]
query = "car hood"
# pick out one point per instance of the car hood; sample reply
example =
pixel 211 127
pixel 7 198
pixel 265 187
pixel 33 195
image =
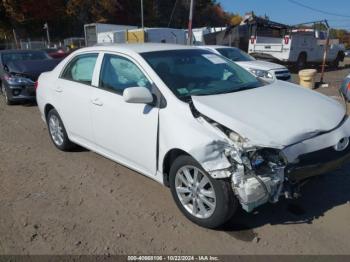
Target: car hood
pixel 32 68
pixel 275 115
pixel 262 65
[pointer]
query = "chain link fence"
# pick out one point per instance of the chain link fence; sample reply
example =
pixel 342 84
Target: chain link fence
pixel 34 44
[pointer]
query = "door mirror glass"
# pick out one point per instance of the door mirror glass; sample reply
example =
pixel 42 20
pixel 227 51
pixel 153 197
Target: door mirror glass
pixel 137 95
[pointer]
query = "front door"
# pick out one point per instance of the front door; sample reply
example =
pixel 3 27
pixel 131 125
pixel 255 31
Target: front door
pixel 125 132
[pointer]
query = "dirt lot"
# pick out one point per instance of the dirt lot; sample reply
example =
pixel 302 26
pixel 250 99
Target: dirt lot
pixel 81 203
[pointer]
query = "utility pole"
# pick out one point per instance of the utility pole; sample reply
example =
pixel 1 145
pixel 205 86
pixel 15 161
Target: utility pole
pixel 46 27
pixel 325 53
pixel 190 33
pixel 15 37
pixel 142 22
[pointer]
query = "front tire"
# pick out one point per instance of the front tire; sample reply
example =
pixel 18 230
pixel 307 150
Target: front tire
pixel 205 201
pixel 58 132
pixel 5 95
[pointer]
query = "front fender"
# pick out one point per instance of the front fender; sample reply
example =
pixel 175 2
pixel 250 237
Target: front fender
pixel 195 137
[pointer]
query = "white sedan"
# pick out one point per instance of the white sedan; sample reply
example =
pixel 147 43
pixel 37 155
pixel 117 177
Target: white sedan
pixel 195 122
pixel 263 69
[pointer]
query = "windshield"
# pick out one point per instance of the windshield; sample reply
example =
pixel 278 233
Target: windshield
pixel 235 55
pixel 21 56
pixel 199 72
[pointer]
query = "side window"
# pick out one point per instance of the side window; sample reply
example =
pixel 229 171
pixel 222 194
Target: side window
pixel 119 73
pixel 81 69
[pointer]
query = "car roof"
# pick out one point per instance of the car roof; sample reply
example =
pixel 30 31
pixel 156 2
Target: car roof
pixel 219 46
pixel 138 48
pixel 10 51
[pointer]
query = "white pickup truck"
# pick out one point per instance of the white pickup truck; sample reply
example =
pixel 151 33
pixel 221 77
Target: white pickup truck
pixel 298 47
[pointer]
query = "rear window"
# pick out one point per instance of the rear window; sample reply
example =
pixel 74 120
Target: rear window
pixel 81 69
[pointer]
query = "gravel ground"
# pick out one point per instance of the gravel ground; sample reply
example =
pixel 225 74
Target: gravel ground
pixel 332 77
pixel 81 203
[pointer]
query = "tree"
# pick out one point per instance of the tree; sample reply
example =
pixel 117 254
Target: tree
pixel 30 15
pixel 67 17
pixel 235 20
pixel 5 25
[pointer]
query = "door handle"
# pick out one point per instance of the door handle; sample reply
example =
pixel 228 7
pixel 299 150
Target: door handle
pixel 97 102
pixel 58 89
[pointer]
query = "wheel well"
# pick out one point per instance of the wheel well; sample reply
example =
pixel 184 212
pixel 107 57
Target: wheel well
pixel 341 56
pixel 303 54
pixel 48 107
pixel 167 162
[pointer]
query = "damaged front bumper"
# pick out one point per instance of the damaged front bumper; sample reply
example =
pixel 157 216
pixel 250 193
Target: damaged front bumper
pixel 25 92
pixel 263 175
pixel 320 154
pixel 317 163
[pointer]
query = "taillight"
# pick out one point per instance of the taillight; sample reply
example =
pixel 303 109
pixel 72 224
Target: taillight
pixel 286 40
pixel 36 85
pixel 252 40
pixel 348 86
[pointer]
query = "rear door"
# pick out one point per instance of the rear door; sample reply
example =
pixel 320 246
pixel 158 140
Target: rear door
pixel 73 93
pixel 268 44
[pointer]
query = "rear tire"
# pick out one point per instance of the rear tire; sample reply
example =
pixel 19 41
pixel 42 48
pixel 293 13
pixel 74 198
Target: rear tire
pixel 205 201
pixel 301 62
pixel 335 63
pixel 58 132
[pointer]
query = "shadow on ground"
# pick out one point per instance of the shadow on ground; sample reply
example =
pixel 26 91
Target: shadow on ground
pixel 24 103
pixel 319 68
pixel 319 195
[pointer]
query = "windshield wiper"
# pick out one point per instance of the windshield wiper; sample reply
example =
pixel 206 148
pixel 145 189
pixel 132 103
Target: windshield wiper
pixel 244 88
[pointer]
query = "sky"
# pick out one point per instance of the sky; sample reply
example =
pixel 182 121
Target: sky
pixel 284 11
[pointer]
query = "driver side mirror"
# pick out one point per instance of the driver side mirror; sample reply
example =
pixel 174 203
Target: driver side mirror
pixel 137 95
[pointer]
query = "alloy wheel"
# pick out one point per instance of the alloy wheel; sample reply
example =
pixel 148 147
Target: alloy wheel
pixel 56 130
pixel 195 192
pixel 3 90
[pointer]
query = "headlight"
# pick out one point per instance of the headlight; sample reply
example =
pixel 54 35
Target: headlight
pixel 236 137
pixel 261 73
pixel 19 80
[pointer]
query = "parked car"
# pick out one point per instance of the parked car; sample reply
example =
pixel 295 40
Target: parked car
pixel 347 53
pixel 266 70
pixel 195 122
pixel 345 87
pixel 56 53
pixel 19 69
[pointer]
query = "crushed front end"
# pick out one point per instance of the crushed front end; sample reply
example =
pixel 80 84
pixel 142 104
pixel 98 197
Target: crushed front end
pixel 258 177
pixel 260 174
pixel 20 87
